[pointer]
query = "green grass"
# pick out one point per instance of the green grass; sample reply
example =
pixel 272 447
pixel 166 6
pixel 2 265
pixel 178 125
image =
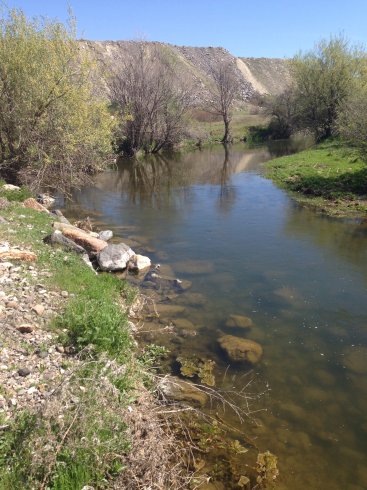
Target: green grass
pixel 212 132
pixel 330 177
pixel 14 195
pixel 93 317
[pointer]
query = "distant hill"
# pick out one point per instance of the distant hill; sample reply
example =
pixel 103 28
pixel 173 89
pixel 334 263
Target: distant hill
pixel 256 75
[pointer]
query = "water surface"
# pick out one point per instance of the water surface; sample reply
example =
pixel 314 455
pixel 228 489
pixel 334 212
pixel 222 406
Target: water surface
pixel 212 218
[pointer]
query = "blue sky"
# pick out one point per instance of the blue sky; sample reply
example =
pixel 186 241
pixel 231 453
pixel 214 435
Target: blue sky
pixel 274 28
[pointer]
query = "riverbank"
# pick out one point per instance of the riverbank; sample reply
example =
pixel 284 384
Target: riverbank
pixel 76 392
pixel 330 177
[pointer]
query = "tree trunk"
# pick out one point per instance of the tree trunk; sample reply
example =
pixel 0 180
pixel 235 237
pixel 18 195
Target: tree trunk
pixel 227 138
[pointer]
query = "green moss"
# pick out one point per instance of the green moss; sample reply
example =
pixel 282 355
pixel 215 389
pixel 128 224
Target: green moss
pixel 330 176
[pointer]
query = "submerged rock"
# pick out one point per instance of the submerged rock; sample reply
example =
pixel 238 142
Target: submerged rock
pixel 180 390
pixel 164 283
pixel 355 359
pixel 239 321
pixel 114 257
pixel 167 310
pixel 241 350
pixel 194 366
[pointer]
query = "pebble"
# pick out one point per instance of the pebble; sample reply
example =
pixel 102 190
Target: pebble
pixel 24 372
pixel 39 309
pixel 60 349
pixel 25 328
pixel 64 294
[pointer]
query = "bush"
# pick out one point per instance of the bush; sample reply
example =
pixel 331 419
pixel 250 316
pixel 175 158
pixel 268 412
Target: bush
pixel 52 129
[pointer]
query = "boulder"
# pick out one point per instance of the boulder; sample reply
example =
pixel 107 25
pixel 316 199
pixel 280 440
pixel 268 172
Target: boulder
pixel 179 390
pixel 114 257
pixel 139 262
pixel 241 350
pixel 86 260
pixel 58 239
pixel 31 203
pixel 239 321
pixel 82 238
pixel 105 235
pixel 61 217
pixel 46 200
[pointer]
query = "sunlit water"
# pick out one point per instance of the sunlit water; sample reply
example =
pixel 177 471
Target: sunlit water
pixel 212 218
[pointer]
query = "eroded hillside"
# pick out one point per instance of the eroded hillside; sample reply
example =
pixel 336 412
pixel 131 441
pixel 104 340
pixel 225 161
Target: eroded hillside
pixel 256 75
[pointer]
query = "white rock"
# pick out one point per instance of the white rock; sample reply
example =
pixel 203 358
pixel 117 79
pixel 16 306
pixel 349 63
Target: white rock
pixel 114 257
pixel 11 187
pixel 140 262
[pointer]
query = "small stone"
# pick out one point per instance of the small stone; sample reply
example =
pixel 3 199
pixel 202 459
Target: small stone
pixel 11 187
pixel 12 304
pixel 42 354
pixel 24 372
pixel 60 349
pixel 25 328
pixel 39 309
pixel 32 390
pixel 64 294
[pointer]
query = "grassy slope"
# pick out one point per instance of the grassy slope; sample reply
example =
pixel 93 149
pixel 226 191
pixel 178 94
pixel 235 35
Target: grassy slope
pixel 93 318
pixel 329 176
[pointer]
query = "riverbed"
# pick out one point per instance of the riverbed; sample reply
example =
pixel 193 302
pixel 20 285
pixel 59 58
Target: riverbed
pixel 211 217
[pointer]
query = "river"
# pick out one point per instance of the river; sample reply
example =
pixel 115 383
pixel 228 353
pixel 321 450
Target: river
pixel 212 218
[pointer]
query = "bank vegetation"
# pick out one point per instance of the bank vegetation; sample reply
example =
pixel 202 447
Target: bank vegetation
pixel 327 99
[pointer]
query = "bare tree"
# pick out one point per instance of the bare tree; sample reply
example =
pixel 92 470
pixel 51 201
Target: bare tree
pixel 223 93
pixel 151 99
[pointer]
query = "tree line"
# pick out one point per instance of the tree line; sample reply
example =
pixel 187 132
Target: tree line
pixel 55 131
pixel 327 96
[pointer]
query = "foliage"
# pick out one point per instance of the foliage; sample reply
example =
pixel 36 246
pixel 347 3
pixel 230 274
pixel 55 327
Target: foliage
pixel 352 118
pixel 15 195
pixel 97 323
pixel 282 109
pixel 150 98
pixel 51 127
pixel 323 78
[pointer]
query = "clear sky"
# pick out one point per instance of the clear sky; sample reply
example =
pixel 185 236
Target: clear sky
pixel 271 28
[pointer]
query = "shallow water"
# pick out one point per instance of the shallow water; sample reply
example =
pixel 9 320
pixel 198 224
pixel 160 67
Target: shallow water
pixel 211 217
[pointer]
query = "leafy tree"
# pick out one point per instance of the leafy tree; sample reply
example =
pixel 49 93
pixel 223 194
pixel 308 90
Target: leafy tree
pixel 282 109
pixel 53 132
pixel 151 99
pixel 323 78
pixel 351 123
